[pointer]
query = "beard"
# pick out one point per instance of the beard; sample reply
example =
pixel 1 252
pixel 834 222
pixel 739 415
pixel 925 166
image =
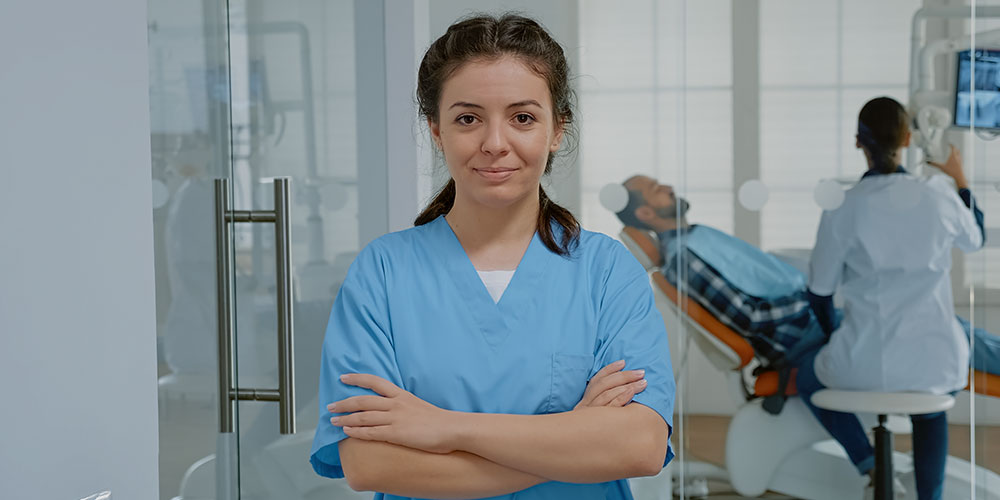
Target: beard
pixel 677 211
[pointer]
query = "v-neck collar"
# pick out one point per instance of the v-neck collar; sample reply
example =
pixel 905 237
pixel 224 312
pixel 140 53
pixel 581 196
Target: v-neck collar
pixel 496 319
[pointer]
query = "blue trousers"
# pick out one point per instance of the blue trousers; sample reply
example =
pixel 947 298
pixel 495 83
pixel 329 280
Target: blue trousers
pixel 930 435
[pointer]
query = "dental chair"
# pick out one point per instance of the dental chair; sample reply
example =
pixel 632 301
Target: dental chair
pixel 789 452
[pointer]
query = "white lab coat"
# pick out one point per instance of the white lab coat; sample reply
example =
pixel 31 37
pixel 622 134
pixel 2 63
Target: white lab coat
pixel 889 249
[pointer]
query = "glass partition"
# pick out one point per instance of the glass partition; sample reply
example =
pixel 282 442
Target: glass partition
pixel 738 117
pixel 978 299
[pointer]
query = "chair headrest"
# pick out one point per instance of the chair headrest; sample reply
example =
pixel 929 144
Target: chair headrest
pixel 642 244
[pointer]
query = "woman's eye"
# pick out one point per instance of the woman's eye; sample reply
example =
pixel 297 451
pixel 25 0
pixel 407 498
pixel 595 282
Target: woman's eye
pixel 524 118
pixel 466 119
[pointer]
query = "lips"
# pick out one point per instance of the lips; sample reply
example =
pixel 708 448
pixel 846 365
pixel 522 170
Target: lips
pixel 495 174
pixel 494 170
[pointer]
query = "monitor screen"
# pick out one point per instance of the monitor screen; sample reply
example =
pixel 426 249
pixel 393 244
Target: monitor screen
pixel 987 94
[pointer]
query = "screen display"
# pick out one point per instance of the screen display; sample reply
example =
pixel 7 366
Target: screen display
pixel 987 94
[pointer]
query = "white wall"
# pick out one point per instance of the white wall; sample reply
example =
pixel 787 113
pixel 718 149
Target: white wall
pixel 77 339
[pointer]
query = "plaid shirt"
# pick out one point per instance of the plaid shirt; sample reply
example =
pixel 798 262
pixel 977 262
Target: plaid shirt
pixel 771 326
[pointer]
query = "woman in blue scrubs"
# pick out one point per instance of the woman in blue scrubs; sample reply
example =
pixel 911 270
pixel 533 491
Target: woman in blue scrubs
pixel 888 249
pixel 458 353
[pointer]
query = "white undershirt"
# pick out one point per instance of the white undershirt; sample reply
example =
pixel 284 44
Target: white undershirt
pixel 496 282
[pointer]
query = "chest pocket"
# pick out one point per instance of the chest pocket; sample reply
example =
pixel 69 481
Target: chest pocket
pixel 569 379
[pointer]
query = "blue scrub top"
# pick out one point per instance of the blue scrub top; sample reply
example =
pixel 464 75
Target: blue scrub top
pixel 414 311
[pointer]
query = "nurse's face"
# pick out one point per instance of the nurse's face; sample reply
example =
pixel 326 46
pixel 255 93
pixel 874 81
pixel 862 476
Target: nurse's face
pixel 496 129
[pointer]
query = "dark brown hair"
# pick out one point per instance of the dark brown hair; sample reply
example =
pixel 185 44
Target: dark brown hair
pixel 882 127
pixel 486 37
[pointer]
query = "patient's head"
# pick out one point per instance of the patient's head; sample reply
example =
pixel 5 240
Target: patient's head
pixel 652 206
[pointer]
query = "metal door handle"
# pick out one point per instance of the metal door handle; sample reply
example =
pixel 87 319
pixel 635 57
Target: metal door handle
pixel 229 394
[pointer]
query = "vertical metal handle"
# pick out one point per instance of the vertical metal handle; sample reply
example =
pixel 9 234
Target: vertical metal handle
pixel 286 347
pixel 223 262
pixel 229 393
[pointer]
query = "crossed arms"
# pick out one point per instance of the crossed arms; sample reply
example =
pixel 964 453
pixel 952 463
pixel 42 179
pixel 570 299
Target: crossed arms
pixel 402 445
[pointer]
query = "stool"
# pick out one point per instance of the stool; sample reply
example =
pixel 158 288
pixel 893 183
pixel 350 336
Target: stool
pixel 882 404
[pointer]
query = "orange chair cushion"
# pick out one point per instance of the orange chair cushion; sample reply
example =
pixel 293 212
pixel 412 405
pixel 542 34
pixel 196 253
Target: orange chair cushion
pixel 704 318
pixel 987 384
pixel 767 383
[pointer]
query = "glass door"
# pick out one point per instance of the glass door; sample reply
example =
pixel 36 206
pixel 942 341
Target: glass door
pixel 190 110
pixel 257 218
pixel 295 119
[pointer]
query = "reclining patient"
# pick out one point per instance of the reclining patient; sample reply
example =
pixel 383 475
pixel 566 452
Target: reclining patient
pixel 756 294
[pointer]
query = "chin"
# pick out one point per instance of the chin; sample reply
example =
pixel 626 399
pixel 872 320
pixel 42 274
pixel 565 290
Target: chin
pixel 502 198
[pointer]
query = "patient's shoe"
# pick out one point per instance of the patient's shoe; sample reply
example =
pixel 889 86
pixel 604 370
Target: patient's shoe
pixel 898 490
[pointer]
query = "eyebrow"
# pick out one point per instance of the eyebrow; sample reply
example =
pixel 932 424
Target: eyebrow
pixel 518 104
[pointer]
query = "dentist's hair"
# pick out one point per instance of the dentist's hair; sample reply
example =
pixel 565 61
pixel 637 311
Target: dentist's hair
pixel 882 127
pixel 489 38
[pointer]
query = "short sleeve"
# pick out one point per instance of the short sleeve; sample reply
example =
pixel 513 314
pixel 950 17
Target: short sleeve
pixel 631 328
pixel 358 340
pixel 829 254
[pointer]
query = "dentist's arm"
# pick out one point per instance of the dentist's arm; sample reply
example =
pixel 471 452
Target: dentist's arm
pixel 952 167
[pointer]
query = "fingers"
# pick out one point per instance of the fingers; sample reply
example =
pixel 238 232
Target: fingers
pixel 374 433
pixel 605 398
pixel 615 380
pixel 622 399
pixel 621 395
pixel 362 419
pixel 360 403
pixel 373 382
pixel 608 370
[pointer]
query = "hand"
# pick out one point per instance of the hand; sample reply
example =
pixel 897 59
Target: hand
pixel 952 167
pixel 613 387
pixel 394 416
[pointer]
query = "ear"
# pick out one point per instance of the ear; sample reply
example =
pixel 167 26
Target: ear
pixel 906 140
pixel 435 133
pixel 645 213
pixel 857 142
pixel 557 137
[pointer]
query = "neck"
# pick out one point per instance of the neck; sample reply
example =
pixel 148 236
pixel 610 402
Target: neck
pixel 478 226
pixel 897 159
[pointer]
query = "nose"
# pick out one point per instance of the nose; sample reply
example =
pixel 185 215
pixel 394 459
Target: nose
pixel 495 142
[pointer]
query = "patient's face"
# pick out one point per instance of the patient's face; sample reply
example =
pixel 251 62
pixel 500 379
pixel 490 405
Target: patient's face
pixel 660 197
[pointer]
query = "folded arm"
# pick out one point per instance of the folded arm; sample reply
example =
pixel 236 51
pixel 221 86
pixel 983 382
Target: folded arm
pixel 402 471
pixel 587 446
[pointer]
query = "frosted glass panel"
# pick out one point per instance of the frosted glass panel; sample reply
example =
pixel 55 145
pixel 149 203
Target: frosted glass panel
pixel 790 219
pixel 704 28
pixel 708 134
pixel 798 137
pixel 875 39
pixel 798 44
pixel 616 137
pixel 617 41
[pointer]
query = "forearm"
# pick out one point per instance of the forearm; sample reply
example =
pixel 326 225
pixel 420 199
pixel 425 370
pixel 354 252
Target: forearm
pixel 402 471
pixel 822 306
pixel 589 445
